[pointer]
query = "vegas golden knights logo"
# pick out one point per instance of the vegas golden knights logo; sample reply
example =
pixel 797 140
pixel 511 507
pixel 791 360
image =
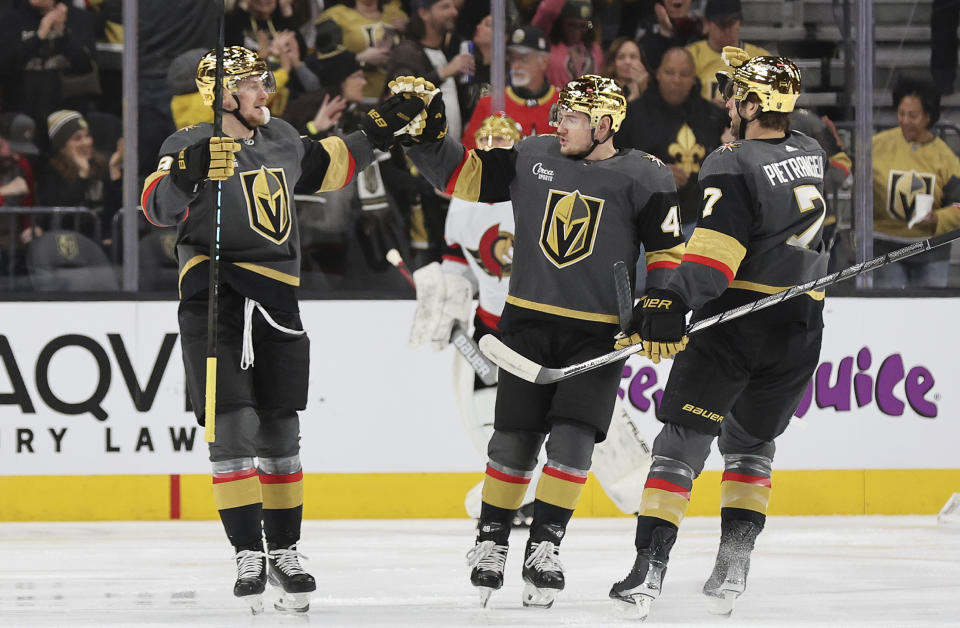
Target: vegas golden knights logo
pixel 268 206
pixel 902 190
pixel 570 224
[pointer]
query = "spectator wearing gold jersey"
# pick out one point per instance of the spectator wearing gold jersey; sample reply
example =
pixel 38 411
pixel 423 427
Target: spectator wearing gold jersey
pixel 721 25
pixel 914 171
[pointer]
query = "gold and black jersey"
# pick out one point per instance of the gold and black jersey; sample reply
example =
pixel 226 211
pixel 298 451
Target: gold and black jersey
pixel 759 230
pixel 901 171
pixel 259 237
pixel 573 220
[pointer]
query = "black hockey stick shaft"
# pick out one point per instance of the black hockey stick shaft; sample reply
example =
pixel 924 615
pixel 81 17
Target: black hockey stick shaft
pixel 213 286
pixel 621 280
pixel 530 371
pixel 461 341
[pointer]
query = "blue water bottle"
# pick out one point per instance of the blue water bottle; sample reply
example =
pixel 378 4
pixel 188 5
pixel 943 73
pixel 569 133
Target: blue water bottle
pixel 466 47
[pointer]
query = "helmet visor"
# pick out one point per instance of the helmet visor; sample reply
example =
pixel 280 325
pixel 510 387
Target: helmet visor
pixel 254 83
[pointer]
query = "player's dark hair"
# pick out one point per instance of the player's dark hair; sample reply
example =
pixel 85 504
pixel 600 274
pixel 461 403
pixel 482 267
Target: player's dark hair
pixel 924 91
pixel 774 120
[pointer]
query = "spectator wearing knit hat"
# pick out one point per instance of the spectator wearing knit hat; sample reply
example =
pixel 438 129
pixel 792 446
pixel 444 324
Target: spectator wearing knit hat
pixel 79 176
pixel 332 108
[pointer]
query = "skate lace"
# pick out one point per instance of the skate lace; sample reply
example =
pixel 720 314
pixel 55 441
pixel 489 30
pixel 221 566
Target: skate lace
pixel 288 560
pixel 249 564
pixel 544 557
pixel 487 555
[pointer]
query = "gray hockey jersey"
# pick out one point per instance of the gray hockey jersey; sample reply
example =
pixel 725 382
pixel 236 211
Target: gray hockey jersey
pixel 260 240
pixel 759 230
pixel 573 220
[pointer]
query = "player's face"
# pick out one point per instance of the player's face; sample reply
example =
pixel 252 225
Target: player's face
pixel 352 87
pixel 912 119
pixel 574 131
pixel 745 107
pixel 251 96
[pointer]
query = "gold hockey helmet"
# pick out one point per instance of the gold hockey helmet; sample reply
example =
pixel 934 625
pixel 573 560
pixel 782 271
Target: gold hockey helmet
pixel 499 125
pixel 775 80
pixel 238 63
pixel 596 96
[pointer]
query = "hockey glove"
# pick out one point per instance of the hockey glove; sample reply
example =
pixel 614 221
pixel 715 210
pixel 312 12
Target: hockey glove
pixel 435 128
pixel 662 317
pixel 384 120
pixel 211 158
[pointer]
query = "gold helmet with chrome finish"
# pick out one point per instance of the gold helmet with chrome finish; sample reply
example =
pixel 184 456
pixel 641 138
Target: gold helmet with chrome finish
pixel 596 96
pixel 238 63
pixel 775 80
pixel 499 125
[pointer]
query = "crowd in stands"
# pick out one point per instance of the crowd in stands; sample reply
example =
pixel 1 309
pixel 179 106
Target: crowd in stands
pixel 60 107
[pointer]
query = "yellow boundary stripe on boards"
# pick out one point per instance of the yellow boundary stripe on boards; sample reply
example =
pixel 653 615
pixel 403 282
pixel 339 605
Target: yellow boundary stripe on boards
pixel 440 495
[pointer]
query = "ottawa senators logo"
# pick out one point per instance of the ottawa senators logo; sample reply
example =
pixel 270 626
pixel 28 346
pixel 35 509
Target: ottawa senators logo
pixel 268 206
pixel 902 190
pixel 570 224
pixel 495 253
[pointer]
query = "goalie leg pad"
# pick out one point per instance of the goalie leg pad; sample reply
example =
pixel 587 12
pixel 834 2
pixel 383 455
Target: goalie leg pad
pixel 621 462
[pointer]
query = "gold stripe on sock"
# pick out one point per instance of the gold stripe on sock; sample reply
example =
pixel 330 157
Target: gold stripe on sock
pixel 559 492
pixel 664 505
pixel 289 495
pixel 502 494
pixel 745 496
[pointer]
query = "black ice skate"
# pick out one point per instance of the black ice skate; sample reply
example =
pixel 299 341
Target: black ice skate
pixel 542 570
pixel 488 558
pixel 251 578
pixel 729 577
pixel 286 572
pixel 635 593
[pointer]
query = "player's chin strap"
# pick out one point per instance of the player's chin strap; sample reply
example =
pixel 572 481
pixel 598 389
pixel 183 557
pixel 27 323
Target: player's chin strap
pixel 246 354
pixel 745 121
pixel 593 145
pixel 236 114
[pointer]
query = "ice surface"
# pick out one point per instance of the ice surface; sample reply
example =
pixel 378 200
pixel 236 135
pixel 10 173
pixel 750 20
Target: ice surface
pixel 806 571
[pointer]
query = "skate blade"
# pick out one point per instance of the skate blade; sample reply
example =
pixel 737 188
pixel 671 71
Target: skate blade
pixel 636 607
pixel 293 603
pixel 722 604
pixel 534 597
pixel 485 593
pixel 255 602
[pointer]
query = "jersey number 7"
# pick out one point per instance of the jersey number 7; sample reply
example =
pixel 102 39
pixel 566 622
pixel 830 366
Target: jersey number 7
pixel 808 198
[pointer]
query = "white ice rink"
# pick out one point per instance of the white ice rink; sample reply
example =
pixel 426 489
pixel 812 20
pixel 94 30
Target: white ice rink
pixel 806 571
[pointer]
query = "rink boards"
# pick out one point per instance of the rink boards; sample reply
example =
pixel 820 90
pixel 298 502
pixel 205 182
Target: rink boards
pixel 94 425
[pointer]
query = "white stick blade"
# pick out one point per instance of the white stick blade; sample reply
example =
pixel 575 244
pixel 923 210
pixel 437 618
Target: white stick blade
pixel 508 359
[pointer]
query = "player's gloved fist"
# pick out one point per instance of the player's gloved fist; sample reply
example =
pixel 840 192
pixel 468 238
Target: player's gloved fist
pixel 435 127
pixel 207 159
pixel 383 121
pixel 663 322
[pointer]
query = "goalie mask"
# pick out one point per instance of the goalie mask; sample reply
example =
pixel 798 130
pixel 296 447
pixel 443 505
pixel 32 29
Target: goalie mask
pixel 240 66
pixel 500 126
pixel 775 80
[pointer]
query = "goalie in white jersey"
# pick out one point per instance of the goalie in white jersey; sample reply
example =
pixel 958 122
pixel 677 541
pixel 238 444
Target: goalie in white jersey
pixel 478 258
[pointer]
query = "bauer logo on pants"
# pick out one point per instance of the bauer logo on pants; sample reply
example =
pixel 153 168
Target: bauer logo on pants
pixel 268 205
pixel 569 226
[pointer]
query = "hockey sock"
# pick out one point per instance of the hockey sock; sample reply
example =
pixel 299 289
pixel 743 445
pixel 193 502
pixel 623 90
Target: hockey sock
pixel 558 492
pixel 281 481
pixel 236 491
pixel 503 489
pixel 745 488
pixel 666 496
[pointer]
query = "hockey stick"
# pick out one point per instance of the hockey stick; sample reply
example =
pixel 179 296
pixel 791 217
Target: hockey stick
pixel 621 280
pixel 459 338
pixel 527 369
pixel 213 286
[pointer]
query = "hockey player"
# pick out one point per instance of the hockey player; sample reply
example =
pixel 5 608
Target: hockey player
pixel 759 231
pixel 579 206
pixel 260 163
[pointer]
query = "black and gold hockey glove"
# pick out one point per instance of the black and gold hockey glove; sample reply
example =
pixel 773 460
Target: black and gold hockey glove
pixel 211 158
pixel 435 128
pixel 381 122
pixel 661 320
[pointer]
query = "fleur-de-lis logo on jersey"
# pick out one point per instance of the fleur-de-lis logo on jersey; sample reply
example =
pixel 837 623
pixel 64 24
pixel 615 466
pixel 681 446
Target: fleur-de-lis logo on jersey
pixel 495 252
pixel 686 150
pixel 268 206
pixel 570 224
pixel 902 190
